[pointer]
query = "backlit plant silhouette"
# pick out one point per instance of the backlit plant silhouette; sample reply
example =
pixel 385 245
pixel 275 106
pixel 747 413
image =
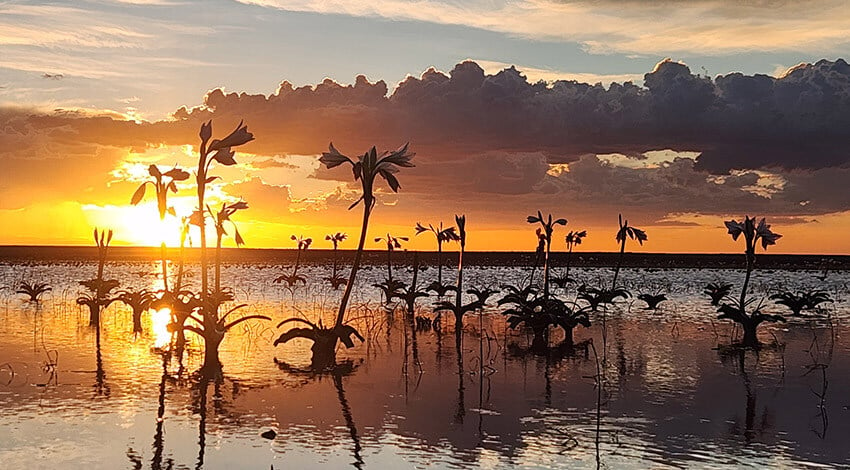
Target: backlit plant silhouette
pixel 33 290
pixel 393 243
pixel 539 313
pixel 442 234
pixel 625 232
pixel 212 327
pixel 161 186
pixel 754 233
pixel 717 291
pixel 601 297
pixel 652 300
pixel 369 166
pixel 140 302
pixel 801 300
pixel 220 218
pixel 336 279
pixel 295 278
pixel 458 307
pixel 573 239
pixel 548 227
pixel 99 294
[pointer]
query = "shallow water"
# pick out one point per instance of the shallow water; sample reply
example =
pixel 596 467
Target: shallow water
pixel 667 396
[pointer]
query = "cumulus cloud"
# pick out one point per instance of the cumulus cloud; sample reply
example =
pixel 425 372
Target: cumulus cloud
pixel 496 142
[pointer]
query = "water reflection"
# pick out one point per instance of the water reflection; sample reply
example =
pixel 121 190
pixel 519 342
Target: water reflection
pixel 160 319
pixel 661 399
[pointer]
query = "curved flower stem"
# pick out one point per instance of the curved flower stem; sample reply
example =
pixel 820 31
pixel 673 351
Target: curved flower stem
pixel 367 211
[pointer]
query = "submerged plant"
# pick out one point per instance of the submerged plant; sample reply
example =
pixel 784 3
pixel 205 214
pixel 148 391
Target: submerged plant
pixel 801 300
pixel 717 291
pixel 652 300
pixel 458 307
pixel 294 278
pixel 139 301
pixel 539 313
pixel 161 187
pixel 573 239
pixel 212 327
pixel 336 279
pixel 737 310
pixel 99 295
pixel 393 243
pixel 220 218
pixel 33 290
pixel 548 227
pixel 601 297
pixel 369 166
pixel 625 232
pixel 443 235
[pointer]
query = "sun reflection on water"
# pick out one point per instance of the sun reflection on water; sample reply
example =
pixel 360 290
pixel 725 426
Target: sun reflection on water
pixel 159 325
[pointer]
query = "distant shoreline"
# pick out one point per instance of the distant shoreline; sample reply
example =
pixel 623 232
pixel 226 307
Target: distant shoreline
pixel 277 256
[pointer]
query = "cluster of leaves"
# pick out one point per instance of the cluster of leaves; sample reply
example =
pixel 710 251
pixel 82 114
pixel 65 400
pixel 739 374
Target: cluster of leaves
pixel 597 297
pixel 717 291
pixel 652 300
pixel 34 290
pixel 539 313
pixel 801 300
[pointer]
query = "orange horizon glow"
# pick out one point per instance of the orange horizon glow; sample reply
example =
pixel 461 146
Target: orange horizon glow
pixel 141 227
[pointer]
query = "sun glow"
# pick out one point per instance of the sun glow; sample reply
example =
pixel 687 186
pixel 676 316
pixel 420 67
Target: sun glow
pixel 159 325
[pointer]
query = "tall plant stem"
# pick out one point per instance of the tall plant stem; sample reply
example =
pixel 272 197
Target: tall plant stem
pixel 750 259
pixel 439 262
pixel 619 262
pixel 202 174
pixel 297 260
pixel 335 262
pixel 389 265
pixel 459 298
pixel 164 267
pixel 218 263
pixel 546 268
pixel 343 303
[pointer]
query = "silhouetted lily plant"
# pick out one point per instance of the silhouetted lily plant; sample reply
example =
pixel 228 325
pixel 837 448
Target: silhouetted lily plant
pixel 717 291
pixel 162 183
pixel 368 166
pixel 458 307
pixel 736 310
pixel 548 227
pixel 139 301
pixel 34 290
pixel 294 278
pixel 336 279
pixel 99 294
pixel 573 239
pixel 539 313
pixel 652 300
pixel 212 326
pixel 596 297
pixel 625 232
pixel 393 243
pixel 220 218
pixel 801 300
pixel 443 235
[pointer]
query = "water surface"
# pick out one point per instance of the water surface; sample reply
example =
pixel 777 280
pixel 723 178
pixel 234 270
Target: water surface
pixel 665 395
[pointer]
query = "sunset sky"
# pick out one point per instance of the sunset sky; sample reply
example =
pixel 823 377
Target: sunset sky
pixel 678 114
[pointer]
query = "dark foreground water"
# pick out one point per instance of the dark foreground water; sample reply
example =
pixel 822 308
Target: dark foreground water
pixel 653 390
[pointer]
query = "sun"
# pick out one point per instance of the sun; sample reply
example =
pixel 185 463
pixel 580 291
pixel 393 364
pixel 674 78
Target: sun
pixel 141 225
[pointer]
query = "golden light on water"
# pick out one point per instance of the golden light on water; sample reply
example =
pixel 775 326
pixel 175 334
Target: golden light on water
pixel 159 325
